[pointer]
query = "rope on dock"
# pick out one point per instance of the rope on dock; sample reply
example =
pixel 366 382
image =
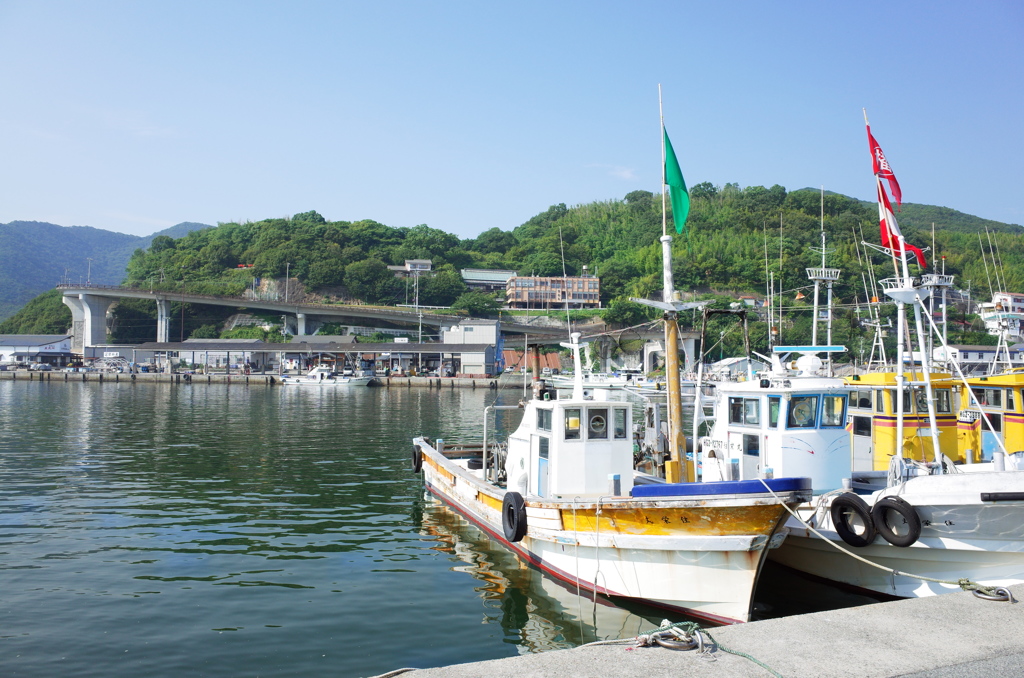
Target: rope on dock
pixel 997 593
pixel 684 636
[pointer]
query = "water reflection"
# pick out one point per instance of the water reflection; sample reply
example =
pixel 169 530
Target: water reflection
pixel 536 612
pixel 232 530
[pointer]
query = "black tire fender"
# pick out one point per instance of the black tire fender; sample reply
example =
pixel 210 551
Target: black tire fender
pixel 844 507
pixel 417 459
pixel 880 516
pixel 513 516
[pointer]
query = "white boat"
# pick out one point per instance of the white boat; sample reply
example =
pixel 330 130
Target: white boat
pixel 563 495
pixel 604 380
pixel 324 377
pixel 906 487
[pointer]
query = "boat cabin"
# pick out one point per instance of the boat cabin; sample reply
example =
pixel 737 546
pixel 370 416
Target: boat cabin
pixel 999 397
pixel 873 419
pixel 789 422
pixel 572 447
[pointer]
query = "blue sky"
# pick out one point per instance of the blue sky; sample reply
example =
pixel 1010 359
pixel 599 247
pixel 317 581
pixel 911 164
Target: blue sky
pixel 135 116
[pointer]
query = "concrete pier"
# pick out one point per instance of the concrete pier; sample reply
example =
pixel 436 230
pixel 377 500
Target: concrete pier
pixel 938 637
pixel 507 381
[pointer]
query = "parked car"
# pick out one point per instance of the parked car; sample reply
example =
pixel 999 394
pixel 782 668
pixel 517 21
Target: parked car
pixel 40 367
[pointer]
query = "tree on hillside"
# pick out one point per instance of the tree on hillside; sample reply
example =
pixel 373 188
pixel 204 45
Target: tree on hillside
pixel 478 303
pixel 45 314
pixel 371 281
pixel 494 240
pixel 442 288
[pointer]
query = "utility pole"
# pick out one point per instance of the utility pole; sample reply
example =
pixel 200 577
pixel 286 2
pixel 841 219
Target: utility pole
pixel 418 312
pixel 287 270
pixel 88 275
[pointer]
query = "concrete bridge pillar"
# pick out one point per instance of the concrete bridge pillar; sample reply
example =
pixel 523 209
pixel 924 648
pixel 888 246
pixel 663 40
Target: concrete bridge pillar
pixel 88 320
pixel 651 351
pixel 689 348
pixel 300 324
pixel 655 349
pixel 163 320
pixel 77 322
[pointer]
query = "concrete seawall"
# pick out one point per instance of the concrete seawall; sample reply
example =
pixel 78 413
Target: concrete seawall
pixel 955 634
pixel 250 379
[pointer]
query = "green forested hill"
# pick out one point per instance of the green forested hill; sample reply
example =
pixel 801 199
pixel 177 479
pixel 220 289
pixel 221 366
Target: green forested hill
pixel 733 237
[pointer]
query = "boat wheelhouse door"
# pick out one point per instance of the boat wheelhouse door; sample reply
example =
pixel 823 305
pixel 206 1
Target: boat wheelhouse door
pixel 539 452
pixel 861 406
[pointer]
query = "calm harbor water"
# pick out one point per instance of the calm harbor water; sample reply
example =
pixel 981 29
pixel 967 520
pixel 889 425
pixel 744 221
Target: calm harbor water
pixel 166 530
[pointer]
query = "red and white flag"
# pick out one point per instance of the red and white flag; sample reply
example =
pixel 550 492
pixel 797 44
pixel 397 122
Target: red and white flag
pixel 880 167
pixel 891 234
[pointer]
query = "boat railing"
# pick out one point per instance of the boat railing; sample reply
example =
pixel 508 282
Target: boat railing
pixel 895 283
pixel 937 280
pixel 823 273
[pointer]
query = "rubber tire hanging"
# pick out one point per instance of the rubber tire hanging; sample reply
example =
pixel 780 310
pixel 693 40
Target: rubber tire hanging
pixel 843 507
pixel 513 516
pixel 417 459
pixel 880 517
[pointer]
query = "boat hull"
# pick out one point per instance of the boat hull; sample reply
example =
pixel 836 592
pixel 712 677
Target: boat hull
pixel 326 383
pixel 962 536
pixel 699 555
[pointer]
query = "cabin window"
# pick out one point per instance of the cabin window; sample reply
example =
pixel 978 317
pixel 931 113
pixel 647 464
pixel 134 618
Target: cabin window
pixel 802 412
pixel 862 398
pixel 597 424
pixel 544 420
pixel 832 410
pixel 751 411
pixel 542 446
pixel 1009 400
pixel 774 402
pixel 989 397
pixel 997 422
pixel 572 424
pixel 921 401
pixel 620 424
pixel 862 426
pixel 744 411
pixel 752 445
pixel 943 401
pixel 879 401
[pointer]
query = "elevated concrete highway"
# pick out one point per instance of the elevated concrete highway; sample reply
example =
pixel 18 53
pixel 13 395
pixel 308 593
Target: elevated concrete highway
pixel 89 305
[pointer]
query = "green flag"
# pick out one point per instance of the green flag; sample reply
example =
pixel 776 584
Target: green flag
pixel 676 187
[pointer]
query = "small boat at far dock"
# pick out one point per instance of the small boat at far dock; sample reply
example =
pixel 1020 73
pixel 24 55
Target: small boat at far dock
pixel 323 376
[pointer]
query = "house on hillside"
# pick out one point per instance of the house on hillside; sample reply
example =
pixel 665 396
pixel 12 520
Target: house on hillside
pixel 488 281
pixel 531 291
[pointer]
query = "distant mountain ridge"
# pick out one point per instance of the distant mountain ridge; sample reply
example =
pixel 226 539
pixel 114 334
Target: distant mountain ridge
pixel 35 256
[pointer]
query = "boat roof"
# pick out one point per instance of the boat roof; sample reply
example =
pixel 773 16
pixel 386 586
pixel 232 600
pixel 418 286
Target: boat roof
pixel 889 378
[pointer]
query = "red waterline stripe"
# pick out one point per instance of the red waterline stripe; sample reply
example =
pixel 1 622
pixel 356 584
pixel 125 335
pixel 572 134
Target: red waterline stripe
pixel 534 560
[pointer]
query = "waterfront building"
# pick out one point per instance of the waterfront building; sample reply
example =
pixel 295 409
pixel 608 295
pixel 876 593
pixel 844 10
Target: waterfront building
pixel 28 349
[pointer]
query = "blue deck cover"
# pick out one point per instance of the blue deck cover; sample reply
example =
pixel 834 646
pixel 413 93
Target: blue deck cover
pixel 721 487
